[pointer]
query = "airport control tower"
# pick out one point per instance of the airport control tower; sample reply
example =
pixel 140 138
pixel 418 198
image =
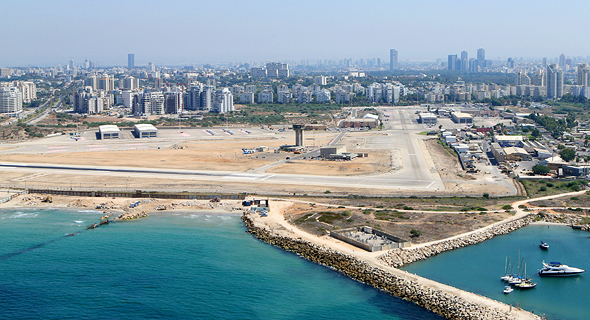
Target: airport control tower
pixel 298 135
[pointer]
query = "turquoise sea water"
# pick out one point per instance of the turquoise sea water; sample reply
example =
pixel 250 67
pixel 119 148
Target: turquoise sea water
pixel 478 269
pixel 183 266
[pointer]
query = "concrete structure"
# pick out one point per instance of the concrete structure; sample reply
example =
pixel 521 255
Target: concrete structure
pixel 145 130
pixel 370 239
pixel 298 134
pixel 427 118
pixel 460 117
pixel 149 103
pixel 108 132
pixel 326 152
pixel 11 100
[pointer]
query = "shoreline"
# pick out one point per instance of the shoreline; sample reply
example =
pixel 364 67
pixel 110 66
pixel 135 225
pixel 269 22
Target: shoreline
pixel 369 268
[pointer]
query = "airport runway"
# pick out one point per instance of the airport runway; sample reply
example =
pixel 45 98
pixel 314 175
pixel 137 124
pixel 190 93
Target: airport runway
pixel 380 182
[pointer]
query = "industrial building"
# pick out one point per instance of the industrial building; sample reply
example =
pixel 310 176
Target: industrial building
pixel 145 131
pixel 517 154
pixel 427 118
pixel 359 123
pixel 498 152
pixel 108 132
pixel 509 141
pixel 460 117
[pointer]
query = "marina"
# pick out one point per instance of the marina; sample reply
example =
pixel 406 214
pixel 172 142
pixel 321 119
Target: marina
pixel 478 269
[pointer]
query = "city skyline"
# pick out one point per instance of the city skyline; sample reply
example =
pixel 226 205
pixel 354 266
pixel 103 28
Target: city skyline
pixel 260 30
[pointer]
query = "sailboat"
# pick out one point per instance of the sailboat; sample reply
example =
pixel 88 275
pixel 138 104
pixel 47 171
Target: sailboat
pixel 526 282
pixel 507 276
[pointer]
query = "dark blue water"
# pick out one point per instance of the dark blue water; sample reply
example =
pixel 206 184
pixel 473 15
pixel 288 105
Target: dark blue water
pixel 184 266
pixel 478 269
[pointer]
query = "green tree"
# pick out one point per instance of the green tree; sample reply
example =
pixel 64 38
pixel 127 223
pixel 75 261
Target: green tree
pixel 567 154
pixel 540 169
pixel 415 233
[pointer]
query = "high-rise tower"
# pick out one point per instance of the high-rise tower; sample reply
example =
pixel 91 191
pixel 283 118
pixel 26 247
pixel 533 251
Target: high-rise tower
pixel 393 59
pixel 131 61
pixel 554 81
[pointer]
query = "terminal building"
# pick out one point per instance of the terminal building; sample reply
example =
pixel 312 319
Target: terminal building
pixel 108 132
pixel 145 131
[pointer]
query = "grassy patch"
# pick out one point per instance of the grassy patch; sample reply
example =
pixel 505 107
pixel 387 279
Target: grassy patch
pixel 330 217
pixel 543 187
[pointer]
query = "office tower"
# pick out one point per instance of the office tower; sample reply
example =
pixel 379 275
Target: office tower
pixel 11 100
pixel 562 61
pixel 554 81
pixel 464 61
pixel 393 65
pixel 545 62
pixel 71 64
pixel 583 74
pixel 481 54
pixel 510 63
pixel 131 61
pixel 452 63
pixel 151 67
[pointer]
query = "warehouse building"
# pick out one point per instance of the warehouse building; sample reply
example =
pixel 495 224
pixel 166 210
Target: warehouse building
pixel 427 118
pixel 460 117
pixel 145 131
pixel 108 132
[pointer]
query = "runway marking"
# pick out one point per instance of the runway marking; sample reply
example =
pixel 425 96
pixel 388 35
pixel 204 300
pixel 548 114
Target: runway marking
pixel 413 154
pixel 430 184
pixel 268 177
pixel 97 149
pixel 63 147
pixel 55 151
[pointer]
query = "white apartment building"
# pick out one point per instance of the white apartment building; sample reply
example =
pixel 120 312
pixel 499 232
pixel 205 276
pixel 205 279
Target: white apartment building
pixel 265 96
pixel 11 100
pixel 223 101
pixel 246 97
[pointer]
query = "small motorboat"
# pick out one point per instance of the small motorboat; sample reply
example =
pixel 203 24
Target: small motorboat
pixel 544 245
pixel 508 289
pixel 92 226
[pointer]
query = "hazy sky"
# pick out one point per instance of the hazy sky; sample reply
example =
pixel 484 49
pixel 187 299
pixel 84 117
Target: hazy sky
pixel 50 32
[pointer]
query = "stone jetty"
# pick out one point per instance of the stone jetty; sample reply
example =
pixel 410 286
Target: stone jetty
pixel 401 284
pixel 400 257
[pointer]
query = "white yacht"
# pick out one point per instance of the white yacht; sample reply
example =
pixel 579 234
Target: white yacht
pixel 556 269
pixel 508 289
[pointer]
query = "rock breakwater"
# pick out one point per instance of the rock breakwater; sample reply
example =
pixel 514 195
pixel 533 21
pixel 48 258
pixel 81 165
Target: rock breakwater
pixel 400 257
pixel 402 285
